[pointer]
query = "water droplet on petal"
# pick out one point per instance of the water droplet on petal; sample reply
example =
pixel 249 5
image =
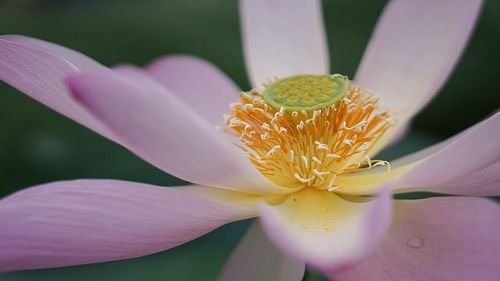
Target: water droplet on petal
pixel 415 242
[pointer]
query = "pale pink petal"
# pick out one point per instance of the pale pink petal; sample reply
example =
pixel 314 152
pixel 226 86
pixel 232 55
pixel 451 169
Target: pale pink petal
pixel 129 69
pixel 138 76
pixel 283 38
pixel 198 83
pixel 256 258
pixel 73 57
pixel 414 48
pixel 324 230
pixel 467 164
pixel 38 68
pixel 403 130
pixel 452 238
pixel 167 133
pixel 87 221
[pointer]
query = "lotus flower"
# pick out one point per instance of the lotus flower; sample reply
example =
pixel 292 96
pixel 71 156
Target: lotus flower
pixel 295 152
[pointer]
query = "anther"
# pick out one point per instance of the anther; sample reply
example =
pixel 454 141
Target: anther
pixel 320 174
pixel 301 125
pixel 358 127
pixel 332 187
pixel 320 146
pixel 332 155
pixel 247 106
pixel 303 180
pixel 346 100
pixel 247 95
pixel 364 146
pixel 383 163
pixel 348 142
pixel 266 127
pixel 273 150
pixel 304 159
pixel 368 161
pixel 315 159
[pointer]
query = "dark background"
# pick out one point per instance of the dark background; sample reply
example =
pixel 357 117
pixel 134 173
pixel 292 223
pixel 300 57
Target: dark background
pixel 38 145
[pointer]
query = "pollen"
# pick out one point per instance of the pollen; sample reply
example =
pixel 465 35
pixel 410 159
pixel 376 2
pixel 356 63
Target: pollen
pixel 309 130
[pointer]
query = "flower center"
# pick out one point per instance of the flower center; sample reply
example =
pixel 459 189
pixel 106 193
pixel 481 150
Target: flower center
pixel 306 92
pixel 309 130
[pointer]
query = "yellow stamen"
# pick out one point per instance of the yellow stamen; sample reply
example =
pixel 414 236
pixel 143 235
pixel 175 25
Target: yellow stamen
pixel 307 145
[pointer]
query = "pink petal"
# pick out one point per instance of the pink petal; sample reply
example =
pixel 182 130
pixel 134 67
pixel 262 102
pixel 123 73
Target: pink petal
pixel 138 76
pixel 324 230
pixel 402 131
pixel 256 258
pixel 38 69
pixel 467 164
pixel 414 49
pixel 198 83
pixel 165 132
pixel 88 221
pixel 283 38
pixel 452 238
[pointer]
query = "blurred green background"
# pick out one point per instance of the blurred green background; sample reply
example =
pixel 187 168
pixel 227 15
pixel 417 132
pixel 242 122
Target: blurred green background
pixel 38 145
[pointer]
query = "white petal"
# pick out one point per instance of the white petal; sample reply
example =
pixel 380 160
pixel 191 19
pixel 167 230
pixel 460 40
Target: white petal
pixel 414 48
pixel 325 230
pixel 283 38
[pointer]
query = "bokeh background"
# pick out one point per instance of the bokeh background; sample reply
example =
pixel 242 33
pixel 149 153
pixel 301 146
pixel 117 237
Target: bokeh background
pixel 38 145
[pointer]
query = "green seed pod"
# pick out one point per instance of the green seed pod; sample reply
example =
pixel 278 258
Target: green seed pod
pixel 306 92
